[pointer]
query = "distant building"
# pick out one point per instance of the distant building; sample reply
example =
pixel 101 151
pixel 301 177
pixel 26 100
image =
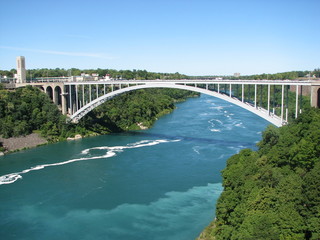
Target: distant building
pixel 21 70
pixel 236 75
pixel 107 77
pixel 85 77
pixel 95 76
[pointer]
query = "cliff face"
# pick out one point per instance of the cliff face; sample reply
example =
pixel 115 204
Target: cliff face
pixel 273 193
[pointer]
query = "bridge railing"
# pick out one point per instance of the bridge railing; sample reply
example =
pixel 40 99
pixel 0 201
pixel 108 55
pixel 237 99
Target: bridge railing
pixel 8 80
pixel 51 79
pixel 273 98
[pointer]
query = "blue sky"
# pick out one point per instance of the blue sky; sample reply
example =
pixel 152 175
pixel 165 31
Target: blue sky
pixel 194 37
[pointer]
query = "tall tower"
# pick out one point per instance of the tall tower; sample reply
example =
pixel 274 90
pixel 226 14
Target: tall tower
pixel 21 69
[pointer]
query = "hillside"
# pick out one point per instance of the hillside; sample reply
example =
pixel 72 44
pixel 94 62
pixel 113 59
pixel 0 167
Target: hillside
pixel 273 193
pixel 28 110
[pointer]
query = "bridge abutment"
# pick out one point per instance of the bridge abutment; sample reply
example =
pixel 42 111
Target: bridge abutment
pixel 315 94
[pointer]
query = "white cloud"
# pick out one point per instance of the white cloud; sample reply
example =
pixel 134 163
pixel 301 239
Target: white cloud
pixel 75 54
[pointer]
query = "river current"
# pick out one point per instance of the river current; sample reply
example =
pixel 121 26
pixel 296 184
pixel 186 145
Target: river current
pixel 160 183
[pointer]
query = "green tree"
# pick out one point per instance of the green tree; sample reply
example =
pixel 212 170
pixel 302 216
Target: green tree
pixel 274 193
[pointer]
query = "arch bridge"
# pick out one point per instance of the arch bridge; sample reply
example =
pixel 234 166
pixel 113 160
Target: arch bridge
pixel 268 99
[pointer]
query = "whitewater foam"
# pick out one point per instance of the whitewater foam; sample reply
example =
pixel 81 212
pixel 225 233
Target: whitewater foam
pixel 217 108
pixel 215 130
pixel 111 152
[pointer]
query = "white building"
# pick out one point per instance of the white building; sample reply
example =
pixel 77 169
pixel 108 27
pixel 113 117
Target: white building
pixel 236 74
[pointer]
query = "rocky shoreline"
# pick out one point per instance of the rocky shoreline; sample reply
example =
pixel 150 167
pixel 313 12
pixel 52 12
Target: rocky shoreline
pixel 14 144
pixel 23 142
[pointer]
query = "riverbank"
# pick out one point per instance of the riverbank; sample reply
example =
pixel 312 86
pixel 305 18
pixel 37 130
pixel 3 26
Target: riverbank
pixel 206 234
pixel 18 143
pixel 14 144
pixel 28 110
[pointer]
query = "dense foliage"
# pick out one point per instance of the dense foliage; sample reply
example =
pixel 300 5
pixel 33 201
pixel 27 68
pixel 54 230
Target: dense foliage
pixel 284 75
pixel 273 193
pixel 133 110
pixel 28 109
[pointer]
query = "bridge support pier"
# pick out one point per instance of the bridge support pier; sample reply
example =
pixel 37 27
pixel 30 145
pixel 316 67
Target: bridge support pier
pixel 70 99
pixel 255 95
pixel 242 93
pixel 315 96
pixel 268 99
pixel 55 97
pixel 297 100
pixel 83 95
pixel 77 99
pixel 282 102
pixel 64 102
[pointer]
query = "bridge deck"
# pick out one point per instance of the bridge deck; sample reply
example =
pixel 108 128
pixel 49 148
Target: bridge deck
pixel 68 95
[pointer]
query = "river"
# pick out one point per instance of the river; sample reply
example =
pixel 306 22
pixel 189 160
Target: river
pixel 160 183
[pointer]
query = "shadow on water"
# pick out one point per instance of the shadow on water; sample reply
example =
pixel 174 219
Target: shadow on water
pixel 191 139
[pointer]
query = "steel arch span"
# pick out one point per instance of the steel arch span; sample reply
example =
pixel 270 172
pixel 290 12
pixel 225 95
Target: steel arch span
pixel 97 102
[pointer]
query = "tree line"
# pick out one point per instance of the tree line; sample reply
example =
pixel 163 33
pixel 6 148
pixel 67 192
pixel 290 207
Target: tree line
pixel 143 74
pixel 115 74
pixel 282 76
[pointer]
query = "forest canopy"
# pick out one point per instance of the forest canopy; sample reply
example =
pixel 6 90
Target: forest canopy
pixel 26 110
pixel 274 192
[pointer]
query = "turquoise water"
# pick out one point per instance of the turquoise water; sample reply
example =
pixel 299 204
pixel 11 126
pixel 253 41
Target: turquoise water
pixel 161 183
